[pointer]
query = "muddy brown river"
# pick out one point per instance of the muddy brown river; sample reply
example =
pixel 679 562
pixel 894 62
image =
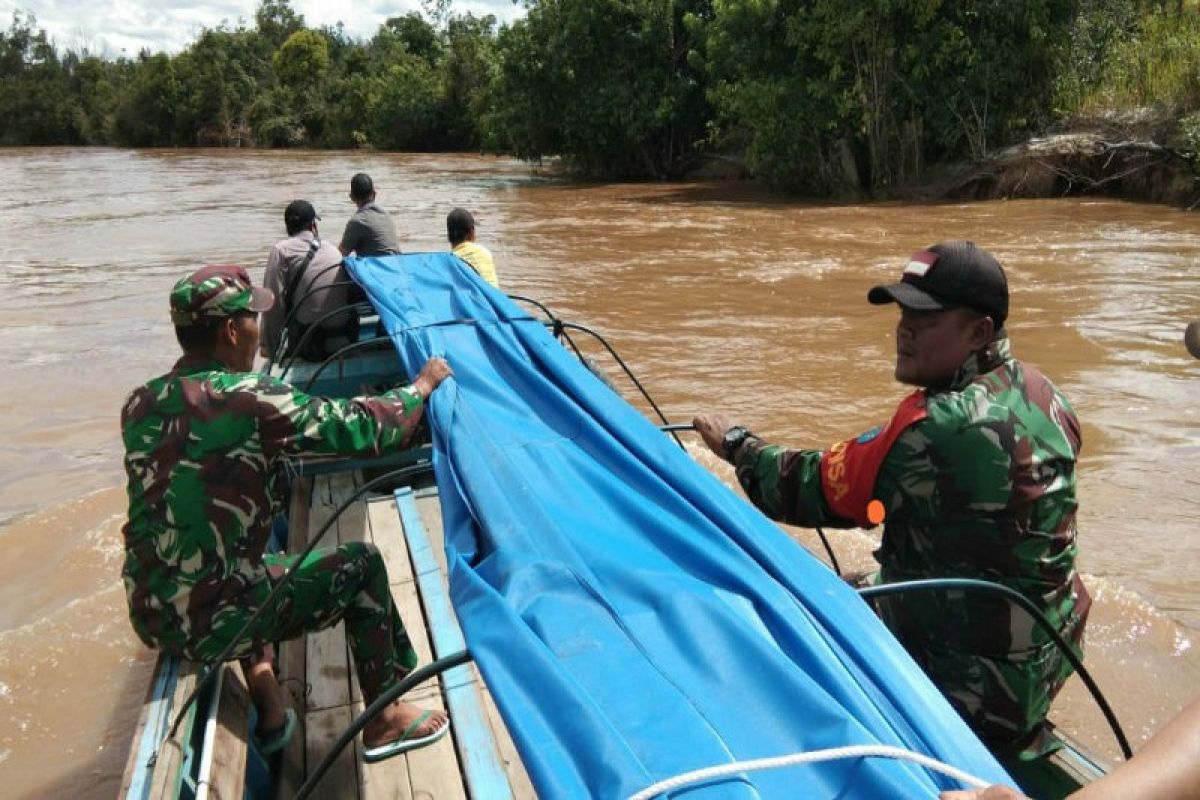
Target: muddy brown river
pixel 719 296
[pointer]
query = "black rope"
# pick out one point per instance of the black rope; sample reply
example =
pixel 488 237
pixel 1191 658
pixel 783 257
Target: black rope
pixel 364 342
pixel 832 558
pixel 295 310
pixel 629 373
pixel 311 330
pixel 214 665
pixel 558 330
pixel 339 355
pixel 414 678
pixel 300 301
pixel 293 306
pixel 531 301
pixel 987 587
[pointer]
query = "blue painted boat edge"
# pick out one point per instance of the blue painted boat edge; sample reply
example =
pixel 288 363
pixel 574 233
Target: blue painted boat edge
pixel 155 728
pixel 477 746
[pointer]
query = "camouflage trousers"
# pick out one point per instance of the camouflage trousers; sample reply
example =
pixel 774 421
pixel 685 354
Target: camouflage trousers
pixel 345 583
pixel 1004 698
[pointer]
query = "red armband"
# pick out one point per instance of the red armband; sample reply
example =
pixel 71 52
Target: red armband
pixel 849 468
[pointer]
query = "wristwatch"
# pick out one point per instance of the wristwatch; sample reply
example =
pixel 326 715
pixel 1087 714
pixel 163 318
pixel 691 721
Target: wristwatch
pixel 732 440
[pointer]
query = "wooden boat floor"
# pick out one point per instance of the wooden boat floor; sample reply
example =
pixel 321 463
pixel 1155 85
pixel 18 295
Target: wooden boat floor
pixel 318 671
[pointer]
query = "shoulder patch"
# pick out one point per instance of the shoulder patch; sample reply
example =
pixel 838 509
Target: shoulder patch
pixel 849 468
pixel 863 438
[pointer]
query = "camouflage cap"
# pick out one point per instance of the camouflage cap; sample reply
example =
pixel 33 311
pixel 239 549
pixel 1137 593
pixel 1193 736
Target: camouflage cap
pixel 216 291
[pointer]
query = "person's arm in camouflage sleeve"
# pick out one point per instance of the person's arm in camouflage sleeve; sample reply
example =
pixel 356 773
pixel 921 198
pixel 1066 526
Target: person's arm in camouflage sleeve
pixel 783 484
pixel 294 423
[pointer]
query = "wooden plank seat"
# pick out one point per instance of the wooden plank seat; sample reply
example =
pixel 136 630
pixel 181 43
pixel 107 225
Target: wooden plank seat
pixel 478 759
pixel 211 757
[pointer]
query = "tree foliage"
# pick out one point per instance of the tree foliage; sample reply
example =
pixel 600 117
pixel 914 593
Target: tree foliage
pixel 820 96
pixel 605 83
pixel 832 94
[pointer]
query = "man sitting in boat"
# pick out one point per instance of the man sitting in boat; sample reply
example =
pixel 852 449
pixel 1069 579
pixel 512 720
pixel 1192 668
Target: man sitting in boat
pixel 370 232
pixel 975 477
pixel 204 446
pixel 307 278
pixel 460 230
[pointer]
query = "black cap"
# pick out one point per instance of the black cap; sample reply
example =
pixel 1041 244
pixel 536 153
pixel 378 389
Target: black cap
pixel 299 214
pixel 361 186
pixel 949 275
pixel 459 223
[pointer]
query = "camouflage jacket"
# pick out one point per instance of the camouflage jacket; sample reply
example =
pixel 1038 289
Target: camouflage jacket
pixel 203 454
pixel 981 486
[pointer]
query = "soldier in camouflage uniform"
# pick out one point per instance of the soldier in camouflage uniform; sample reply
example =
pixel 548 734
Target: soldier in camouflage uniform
pixel 1166 768
pixel 204 447
pixel 975 477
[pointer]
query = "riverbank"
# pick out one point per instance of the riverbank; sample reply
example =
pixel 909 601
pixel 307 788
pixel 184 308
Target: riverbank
pixel 1136 156
pixel 1139 158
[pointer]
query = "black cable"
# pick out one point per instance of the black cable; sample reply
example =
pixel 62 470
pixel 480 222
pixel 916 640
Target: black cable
pixel 338 355
pixel 557 327
pixel 531 301
pixel 283 330
pixel 414 678
pixel 412 469
pixel 561 333
pixel 987 587
pixel 294 305
pixel 629 373
pixel 832 558
pixel 311 330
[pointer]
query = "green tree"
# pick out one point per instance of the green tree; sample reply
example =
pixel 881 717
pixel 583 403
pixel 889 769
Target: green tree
pixel 411 32
pixel 96 84
pixel 608 84
pixel 275 21
pixel 468 67
pixel 221 76
pixel 301 61
pixel 36 100
pixel 831 94
pixel 146 108
pixel 407 112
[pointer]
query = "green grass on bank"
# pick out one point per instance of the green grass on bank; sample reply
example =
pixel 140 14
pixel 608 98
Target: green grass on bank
pixel 1156 65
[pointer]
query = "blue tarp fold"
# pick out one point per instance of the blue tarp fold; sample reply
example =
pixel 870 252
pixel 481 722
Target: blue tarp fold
pixel 635 618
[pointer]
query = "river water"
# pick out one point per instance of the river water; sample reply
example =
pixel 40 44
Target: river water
pixel 719 296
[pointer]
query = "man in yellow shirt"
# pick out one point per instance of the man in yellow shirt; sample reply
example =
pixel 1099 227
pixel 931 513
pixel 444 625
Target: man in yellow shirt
pixel 460 230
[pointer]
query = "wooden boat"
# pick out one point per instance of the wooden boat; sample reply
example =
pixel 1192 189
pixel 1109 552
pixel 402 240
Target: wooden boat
pixel 211 754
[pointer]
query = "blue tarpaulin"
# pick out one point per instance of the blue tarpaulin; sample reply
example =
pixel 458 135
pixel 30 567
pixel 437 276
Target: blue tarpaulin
pixel 633 617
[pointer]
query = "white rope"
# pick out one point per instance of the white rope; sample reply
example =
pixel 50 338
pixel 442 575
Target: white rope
pixel 832 754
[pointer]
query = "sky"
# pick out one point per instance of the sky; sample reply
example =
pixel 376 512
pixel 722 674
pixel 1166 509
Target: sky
pixel 124 27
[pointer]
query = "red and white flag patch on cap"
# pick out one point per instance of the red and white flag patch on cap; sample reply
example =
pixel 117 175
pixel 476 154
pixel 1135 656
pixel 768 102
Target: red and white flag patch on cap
pixel 920 263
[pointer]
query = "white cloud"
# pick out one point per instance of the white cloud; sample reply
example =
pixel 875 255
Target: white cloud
pixel 127 26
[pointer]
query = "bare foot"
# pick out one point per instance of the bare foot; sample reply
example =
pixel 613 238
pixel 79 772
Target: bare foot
pixel 390 723
pixel 266 693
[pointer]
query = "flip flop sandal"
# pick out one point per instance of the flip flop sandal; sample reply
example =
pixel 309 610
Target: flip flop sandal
pixel 402 744
pixel 274 741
